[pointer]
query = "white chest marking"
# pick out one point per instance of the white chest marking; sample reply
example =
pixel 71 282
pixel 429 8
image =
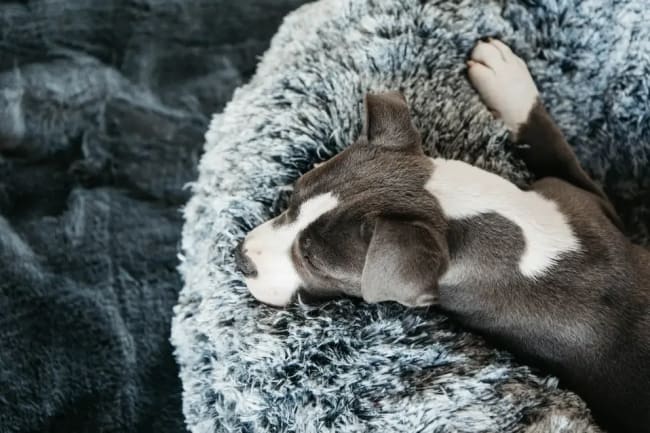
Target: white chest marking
pixel 465 191
pixel 269 248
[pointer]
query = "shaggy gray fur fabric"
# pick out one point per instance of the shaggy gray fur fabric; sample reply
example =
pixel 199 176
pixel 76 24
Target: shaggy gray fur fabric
pixel 351 367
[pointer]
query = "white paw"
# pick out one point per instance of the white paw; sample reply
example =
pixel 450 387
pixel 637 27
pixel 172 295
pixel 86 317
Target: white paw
pixel 503 81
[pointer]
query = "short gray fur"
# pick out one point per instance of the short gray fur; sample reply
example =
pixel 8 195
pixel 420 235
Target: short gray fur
pixel 352 367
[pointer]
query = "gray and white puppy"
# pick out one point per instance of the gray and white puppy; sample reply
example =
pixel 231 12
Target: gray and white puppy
pixel 546 272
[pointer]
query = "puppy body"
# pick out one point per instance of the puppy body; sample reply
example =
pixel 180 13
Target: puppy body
pixel 587 316
pixel 546 272
pixel 579 309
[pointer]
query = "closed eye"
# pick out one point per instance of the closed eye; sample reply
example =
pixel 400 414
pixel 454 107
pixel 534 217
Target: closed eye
pixel 305 258
pixel 309 261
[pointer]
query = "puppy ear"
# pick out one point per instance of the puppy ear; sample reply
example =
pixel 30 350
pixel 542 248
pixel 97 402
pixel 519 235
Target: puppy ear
pixel 403 263
pixel 388 122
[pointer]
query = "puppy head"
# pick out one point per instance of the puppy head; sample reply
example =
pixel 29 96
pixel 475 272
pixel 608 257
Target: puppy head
pixel 361 224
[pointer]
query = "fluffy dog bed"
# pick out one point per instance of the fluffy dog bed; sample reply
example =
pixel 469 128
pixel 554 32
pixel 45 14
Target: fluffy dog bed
pixel 351 367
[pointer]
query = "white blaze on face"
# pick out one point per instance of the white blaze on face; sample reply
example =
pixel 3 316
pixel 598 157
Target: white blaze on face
pixel 269 248
pixel 465 191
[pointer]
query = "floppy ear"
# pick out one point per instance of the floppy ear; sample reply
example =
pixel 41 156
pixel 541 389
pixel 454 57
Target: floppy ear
pixel 403 263
pixel 388 122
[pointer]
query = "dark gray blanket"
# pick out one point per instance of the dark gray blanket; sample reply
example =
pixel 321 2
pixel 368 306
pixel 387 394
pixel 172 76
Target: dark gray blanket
pixel 103 106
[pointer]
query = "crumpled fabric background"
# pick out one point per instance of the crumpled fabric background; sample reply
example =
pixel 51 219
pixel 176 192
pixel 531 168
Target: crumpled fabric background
pixel 103 108
pixel 351 367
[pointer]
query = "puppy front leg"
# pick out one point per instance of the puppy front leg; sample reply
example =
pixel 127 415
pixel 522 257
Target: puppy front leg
pixel 506 87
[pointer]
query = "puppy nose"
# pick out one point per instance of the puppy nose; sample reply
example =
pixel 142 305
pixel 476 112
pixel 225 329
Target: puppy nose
pixel 244 263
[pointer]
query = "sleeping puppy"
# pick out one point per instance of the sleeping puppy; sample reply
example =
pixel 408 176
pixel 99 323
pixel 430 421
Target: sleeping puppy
pixel 546 272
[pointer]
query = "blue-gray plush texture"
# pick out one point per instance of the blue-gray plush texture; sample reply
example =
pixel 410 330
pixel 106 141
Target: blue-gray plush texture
pixel 351 367
pixel 103 107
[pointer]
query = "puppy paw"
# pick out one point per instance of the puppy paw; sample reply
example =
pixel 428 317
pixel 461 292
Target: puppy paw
pixel 503 81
